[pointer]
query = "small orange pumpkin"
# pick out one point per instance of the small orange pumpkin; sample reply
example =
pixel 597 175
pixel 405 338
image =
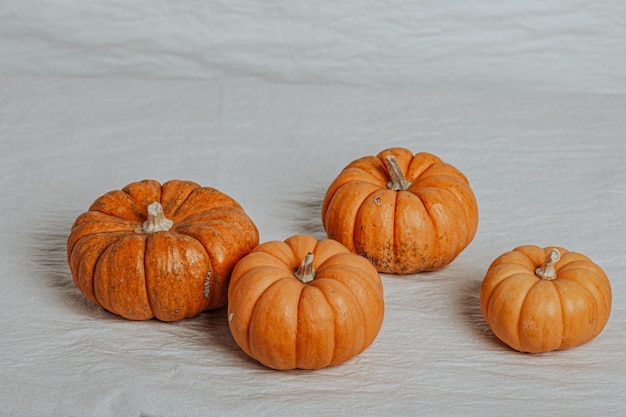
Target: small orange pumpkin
pixel 406 213
pixel 543 299
pixel 304 303
pixel 164 251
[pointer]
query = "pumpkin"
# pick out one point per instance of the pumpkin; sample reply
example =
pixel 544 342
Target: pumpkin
pixel 542 299
pixel 405 213
pixel 304 303
pixel 165 251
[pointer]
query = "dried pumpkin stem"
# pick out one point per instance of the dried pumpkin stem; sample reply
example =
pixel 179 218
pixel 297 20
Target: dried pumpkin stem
pixel 305 272
pixel 547 271
pixel 398 181
pixel 157 222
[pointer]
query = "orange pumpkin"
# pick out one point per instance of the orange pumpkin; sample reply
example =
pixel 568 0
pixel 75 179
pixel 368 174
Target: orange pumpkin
pixel 543 299
pixel 304 303
pixel 406 213
pixel 164 251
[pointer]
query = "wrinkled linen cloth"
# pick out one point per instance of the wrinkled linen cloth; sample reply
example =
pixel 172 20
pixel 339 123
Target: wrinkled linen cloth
pixel 543 145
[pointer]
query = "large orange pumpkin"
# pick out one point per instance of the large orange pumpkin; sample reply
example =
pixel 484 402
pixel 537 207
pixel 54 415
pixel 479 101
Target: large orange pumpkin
pixel 165 251
pixel 406 213
pixel 304 303
pixel 543 299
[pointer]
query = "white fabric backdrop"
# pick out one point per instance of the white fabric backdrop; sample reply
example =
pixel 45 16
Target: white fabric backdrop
pixel 268 103
pixel 541 45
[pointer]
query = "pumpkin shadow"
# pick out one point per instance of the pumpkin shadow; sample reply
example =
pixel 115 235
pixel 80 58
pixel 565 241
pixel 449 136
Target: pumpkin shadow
pixel 469 306
pixel 213 330
pixel 46 246
pixel 303 212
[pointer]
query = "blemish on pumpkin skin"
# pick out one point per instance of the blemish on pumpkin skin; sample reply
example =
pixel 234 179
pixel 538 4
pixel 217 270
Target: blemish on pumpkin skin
pixel 207 283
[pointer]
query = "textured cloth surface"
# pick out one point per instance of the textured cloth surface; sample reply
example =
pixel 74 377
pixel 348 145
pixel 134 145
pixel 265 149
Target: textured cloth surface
pixel 547 169
pixel 550 45
pixel 268 103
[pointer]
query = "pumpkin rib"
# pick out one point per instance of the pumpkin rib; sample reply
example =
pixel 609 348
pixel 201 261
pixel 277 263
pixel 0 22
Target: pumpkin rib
pixel 118 204
pixel 81 263
pixel 360 297
pixel 174 193
pixel 218 213
pixel 394 248
pixel 344 278
pixel 590 295
pixel 325 250
pixel 266 269
pixel 413 234
pixel 280 274
pixel 374 240
pixel 524 298
pixel 175 213
pixel 331 263
pixel 370 166
pixel 597 289
pixel 567 274
pixel 453 186
pixel 252 261
pixel 514 257
pixel 176 280
pixel 495 302
pixel 89 228
pixel 452 211
pixel 383 249
pixel 210 281
pixel 493 278
pixel 527 342
pixel 587 266
pixel 364 176
pixel 300 246
pixel 350 176
pixel 351 204
pixel 204 195
pixel 443 169
pixel 403 157
pixel 298 323
pixel 146 283
pixel 323 315
pixel 340 321
pixel 281 252
pixel 435 242
pixel 245 287
pixel 80 233
pixel 107 284
pixel 420 163
pixel 94 216
pixel 144 193
pixel 216 244
pixel 261 350
pixel 582 264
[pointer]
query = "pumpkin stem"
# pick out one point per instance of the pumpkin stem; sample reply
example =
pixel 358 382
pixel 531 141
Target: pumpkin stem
pixel 547 271
pixel 305 272
pixel 398 181
pixel 156 222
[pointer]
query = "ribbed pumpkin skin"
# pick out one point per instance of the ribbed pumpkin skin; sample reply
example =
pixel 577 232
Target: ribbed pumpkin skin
pixel 285 324
pixel 168 275
pixel 422 228
pixel 535 315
